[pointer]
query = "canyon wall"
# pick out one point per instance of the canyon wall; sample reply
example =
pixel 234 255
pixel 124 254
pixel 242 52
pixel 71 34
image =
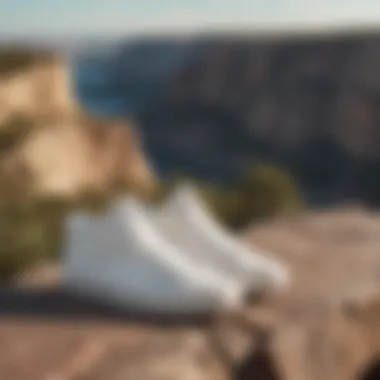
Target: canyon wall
pixel 309 103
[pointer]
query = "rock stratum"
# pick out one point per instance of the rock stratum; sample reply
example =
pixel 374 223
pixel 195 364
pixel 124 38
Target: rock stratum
pixel 212 105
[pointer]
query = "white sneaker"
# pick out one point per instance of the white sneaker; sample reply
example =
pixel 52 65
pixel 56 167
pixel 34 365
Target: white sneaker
pixel 121 258
pixel 185 221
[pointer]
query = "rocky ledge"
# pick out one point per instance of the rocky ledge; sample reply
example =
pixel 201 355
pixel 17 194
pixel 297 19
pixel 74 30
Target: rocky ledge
pixel 325 326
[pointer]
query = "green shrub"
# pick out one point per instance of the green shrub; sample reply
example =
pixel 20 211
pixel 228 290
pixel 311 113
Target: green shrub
pixel 29 233
pixel 267 191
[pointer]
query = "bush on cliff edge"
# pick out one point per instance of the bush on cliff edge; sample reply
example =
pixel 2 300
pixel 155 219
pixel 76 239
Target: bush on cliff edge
pixel 264 191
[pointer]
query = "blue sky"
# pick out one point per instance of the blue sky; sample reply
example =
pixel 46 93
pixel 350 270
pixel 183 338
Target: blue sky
pixel 123 17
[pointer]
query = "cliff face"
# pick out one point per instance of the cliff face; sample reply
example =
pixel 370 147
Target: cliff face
pixel 311 104
pixel 290 91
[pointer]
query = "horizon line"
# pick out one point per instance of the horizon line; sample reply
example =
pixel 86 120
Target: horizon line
pixel 270 31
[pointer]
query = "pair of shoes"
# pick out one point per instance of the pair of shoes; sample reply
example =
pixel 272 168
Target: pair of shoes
pixel 162 261
pixel 121 259
pixel 185 221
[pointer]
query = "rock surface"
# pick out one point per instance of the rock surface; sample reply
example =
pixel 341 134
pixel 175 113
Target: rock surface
pixel 324 327
pixel 79 154
pixel 43 91
pixel 65 151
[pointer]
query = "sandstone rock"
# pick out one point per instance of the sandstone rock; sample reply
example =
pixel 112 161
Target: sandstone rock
pixel 81 155
pixel 324 327
pixel 43 91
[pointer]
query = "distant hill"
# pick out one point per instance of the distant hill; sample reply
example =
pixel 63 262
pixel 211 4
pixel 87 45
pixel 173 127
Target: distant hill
pixel 213 105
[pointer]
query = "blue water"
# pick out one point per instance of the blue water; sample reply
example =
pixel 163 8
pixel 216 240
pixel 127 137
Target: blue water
pixel 108 107
pixel 93 85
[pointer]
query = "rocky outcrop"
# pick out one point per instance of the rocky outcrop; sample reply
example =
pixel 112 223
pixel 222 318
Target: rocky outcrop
pixel 324 327
pixel 64 152
pixel 78 156
pixel 42 91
